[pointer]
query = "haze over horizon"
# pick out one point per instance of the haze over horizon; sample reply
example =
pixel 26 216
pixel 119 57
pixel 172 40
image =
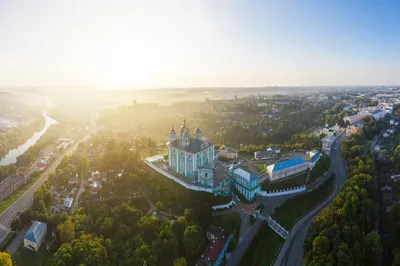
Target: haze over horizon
pixel 176 43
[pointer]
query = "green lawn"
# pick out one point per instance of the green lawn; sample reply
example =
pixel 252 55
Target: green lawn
pixel 229 221
pixel 246 168
pixel 10 200
pixel 26 257
pixel 295 181
pixel 247 155
pixel 260 167
pixel 287 214
pixel 263 248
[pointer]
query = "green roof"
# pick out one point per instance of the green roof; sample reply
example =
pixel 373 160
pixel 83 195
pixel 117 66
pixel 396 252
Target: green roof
pixel 195 146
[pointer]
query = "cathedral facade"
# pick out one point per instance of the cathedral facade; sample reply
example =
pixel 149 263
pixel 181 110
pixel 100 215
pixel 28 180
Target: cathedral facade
pixel 191 157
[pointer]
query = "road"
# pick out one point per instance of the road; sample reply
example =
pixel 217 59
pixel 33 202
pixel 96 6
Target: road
pixel 270 203
pixel 81 189
pixel 26 199
pixel 292 250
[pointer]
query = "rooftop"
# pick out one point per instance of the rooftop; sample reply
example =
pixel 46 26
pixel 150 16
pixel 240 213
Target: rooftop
pixel 68 202
pixel 36 231
pixel 195 145
pixel 244 174
pixel 315 157
pixel 288 163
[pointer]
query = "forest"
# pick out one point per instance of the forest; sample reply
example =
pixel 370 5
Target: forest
pixel 118 230
pixel 344 233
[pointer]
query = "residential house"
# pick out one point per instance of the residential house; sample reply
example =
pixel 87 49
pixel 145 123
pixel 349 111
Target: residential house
pixel 227 153
pixel 35 235
pixel 263 155
pixel 327 143
pixel 214 253
pixel 68 203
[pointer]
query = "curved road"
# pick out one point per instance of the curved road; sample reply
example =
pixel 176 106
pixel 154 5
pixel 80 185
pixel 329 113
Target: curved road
pixel 292 250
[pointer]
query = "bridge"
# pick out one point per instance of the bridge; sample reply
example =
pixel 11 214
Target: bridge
pixel 274 226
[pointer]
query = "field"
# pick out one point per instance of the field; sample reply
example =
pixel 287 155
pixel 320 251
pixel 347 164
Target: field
pixel 26 257
pixel 288 213
pixel 295 181
pixel 263 248
pixel 260 167
pixel 10 200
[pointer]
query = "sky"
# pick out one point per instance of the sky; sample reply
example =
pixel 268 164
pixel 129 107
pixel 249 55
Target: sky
pixel 196 43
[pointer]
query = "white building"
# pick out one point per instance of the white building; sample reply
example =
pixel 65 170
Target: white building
pixel 327 143
pixel 35 235
pixel 227 153
pixel 286 168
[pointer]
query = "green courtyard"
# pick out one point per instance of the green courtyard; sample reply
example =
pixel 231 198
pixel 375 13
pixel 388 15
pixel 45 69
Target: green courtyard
pixel 295 181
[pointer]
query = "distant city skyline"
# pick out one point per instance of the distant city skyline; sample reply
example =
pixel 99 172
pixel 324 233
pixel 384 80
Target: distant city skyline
pixel 177 43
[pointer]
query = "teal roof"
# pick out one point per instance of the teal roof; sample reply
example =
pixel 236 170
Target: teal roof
pixel 195 145
pixel 288 163
pixel 36 231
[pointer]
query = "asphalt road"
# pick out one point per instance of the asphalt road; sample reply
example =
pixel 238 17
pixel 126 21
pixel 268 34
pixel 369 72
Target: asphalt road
pixel 26 199
pixel 291 252
pixel 270 203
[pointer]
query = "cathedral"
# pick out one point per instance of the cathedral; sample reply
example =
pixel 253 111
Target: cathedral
pixel 191 157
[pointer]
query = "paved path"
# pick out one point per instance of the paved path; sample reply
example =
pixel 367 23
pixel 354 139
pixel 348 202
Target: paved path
pixel 292 250
pixel 14 245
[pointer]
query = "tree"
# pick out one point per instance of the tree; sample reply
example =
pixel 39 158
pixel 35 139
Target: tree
pixel 66 231
pixel 159 206
pixel 16 224
pixel 5 259
pixel 193 240
pixel 180 262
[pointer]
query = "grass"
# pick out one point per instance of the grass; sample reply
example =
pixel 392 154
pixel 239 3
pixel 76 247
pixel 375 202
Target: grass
pixel 263 248
pixel 260 167
pixel 229 221
pixel 26 257
pixel 295 181
pixel 18 193
pixel 246 168
pixel 294 208
pixel 247 155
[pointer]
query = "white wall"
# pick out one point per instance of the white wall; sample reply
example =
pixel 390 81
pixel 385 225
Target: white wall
pixel 282 192
pixel 230 204
pixel 170 176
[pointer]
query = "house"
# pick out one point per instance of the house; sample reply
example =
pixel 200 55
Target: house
pixel 327 143
pixel 286 168
pixel 275 149
pixel 35 235
pixel 352 129
pixel 68 203
pixel 267 154
pixel 314 157
pixel 215 251
pixel 227 153
pixel 246 183
pixel 328 131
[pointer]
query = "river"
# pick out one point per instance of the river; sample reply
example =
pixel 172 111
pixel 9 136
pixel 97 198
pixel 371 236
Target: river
pixel 11 156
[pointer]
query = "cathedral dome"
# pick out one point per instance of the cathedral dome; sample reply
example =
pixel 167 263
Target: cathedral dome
pixel 185 135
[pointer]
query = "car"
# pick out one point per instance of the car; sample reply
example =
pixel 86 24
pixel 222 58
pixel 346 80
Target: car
pixel 19 213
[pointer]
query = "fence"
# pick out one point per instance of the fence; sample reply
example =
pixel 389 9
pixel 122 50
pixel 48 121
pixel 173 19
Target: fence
pixel 228 205
pixel 282 192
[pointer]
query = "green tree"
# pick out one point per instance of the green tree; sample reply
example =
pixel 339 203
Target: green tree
pixel 5 259
pixel 180 262
pixel 159 206
pixel 66 231
pixel 193 240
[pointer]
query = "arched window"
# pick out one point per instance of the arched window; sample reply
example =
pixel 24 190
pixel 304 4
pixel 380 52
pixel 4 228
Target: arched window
pixel 206 175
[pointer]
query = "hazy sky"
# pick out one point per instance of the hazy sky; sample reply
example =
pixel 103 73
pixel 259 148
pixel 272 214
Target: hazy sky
pixel 199 42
